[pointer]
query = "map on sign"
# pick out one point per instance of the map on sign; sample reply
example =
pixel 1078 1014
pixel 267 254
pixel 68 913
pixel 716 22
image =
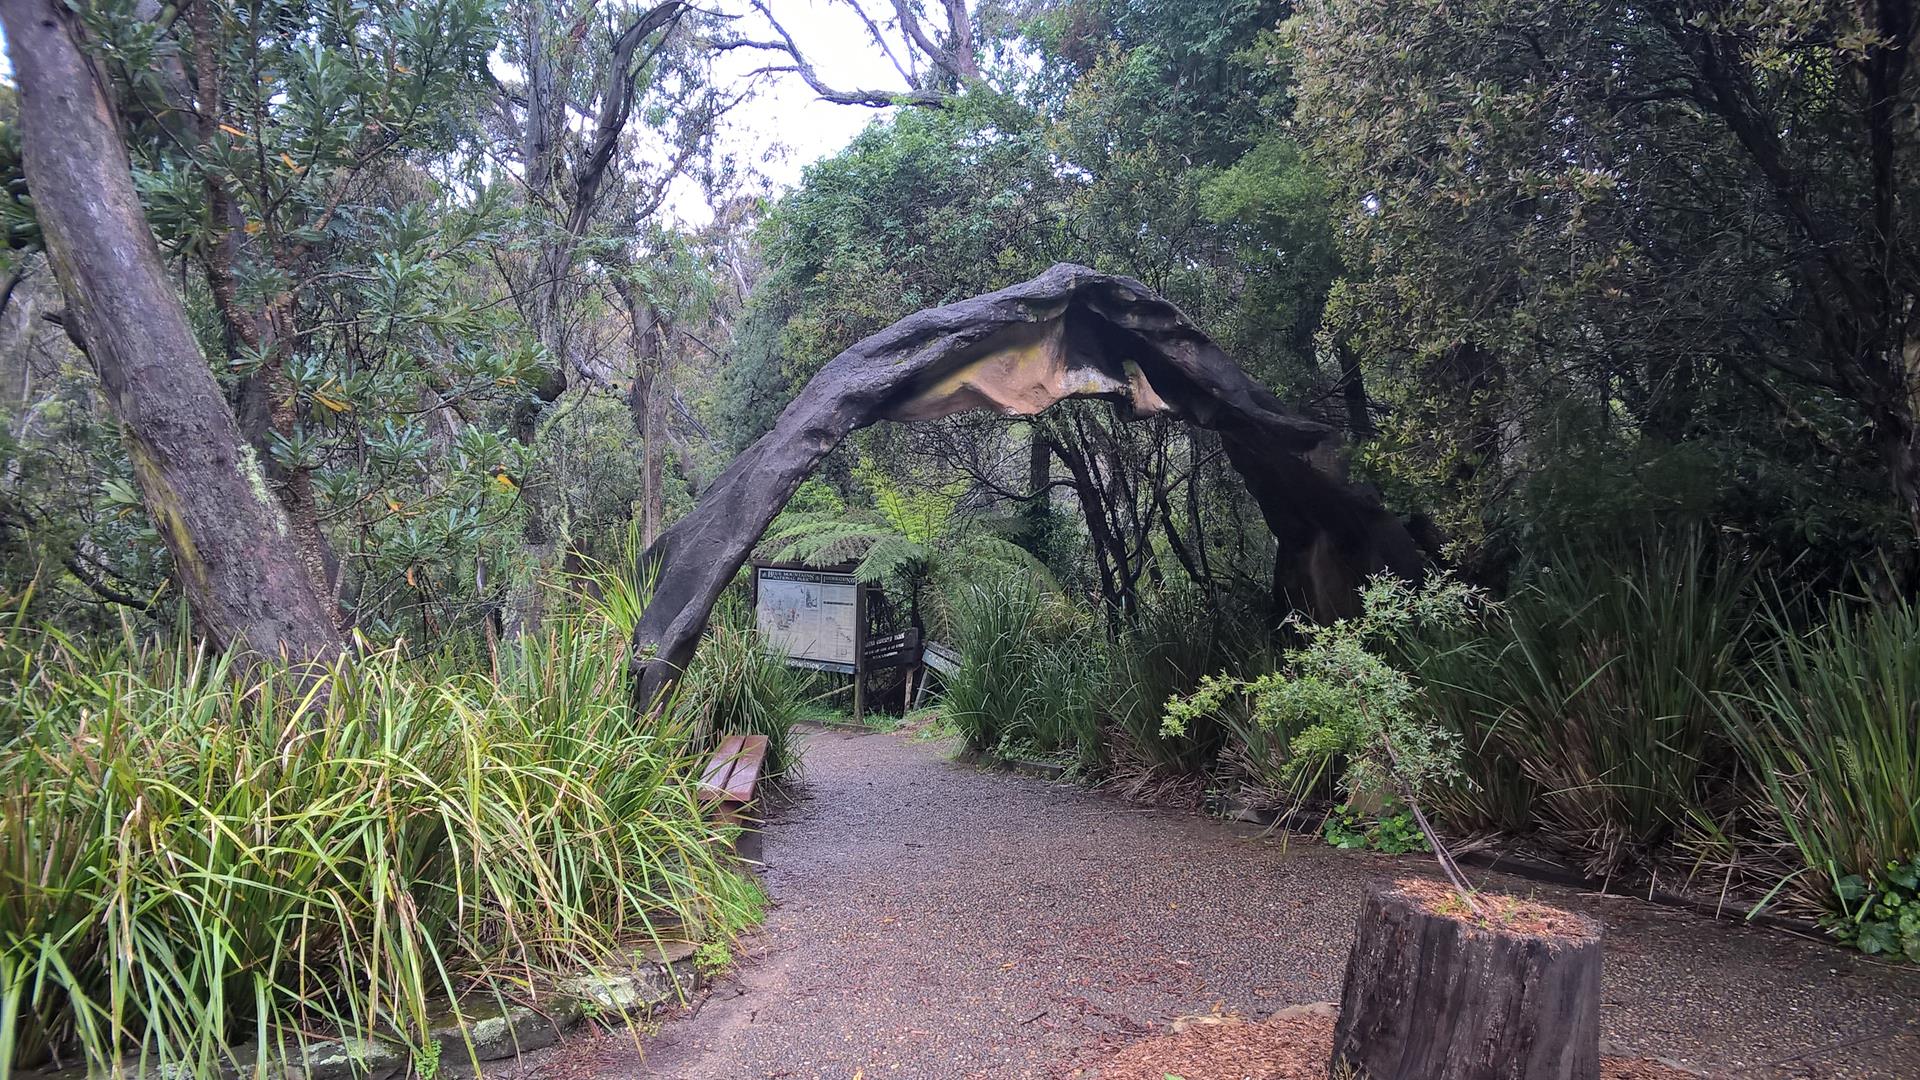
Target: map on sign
pixel 808 616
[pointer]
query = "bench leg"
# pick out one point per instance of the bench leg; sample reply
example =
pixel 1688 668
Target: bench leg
pixel 746 844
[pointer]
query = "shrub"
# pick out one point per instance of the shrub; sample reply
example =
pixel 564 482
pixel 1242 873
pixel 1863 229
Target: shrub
pixel 1033 672
pixel 1355 710
pixel 1176 639
pixel 191 859
pixel 736 685
pixel 1467 693
pixel 1393 830
pixel 1831 727
pixel 1597 682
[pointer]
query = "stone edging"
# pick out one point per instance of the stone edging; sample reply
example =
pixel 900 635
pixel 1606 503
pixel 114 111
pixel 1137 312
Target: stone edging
pixel 661 976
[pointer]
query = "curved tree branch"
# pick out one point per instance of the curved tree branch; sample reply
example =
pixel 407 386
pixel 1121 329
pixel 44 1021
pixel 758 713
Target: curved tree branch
pixel 1071 332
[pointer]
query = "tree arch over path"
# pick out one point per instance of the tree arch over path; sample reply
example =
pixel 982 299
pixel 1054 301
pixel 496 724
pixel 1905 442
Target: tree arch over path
pixel 1071 332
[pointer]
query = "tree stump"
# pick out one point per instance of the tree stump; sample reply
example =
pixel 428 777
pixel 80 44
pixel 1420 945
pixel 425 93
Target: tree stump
pixel 1434 992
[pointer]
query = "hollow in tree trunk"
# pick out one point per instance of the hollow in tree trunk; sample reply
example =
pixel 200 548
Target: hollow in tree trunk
pixel 1434 992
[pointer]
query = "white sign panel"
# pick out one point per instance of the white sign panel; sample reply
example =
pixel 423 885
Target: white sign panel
pixel 809 616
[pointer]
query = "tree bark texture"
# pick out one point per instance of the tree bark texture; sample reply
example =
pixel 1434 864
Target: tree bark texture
pixel 1071 332
pixel 232 548
pixel 1434 997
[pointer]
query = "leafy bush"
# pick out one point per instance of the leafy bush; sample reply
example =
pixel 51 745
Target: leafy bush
pixel 194 858
pixel 1881 915
pixel 1356 712
pixel 1831 728
pixel 1393 831
pixel 1032 675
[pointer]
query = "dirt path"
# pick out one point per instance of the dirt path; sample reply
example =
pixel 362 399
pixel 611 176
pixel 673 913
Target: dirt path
pixel 935 920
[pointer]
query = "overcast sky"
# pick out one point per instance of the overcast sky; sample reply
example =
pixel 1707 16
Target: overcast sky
pixel 786 124
pixel 784 127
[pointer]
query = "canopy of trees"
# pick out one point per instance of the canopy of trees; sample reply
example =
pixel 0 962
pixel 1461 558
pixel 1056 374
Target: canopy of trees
pixel 1560 272
pixel 383 339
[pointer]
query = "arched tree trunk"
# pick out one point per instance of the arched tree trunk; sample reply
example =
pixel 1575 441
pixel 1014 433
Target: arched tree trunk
pixel 1071 332
pixel 1433 994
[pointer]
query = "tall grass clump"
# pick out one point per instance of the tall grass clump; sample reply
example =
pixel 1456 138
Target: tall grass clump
pixel 1598 682
pixel 1178 637
pixel 1033 673
pixel 1831 727
pixel 195 857
pixel 1462 673
pixel 737 685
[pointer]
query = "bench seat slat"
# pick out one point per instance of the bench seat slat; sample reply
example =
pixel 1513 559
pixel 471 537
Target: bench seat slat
pixel 746 769
pixel 734 769
pixel 721 765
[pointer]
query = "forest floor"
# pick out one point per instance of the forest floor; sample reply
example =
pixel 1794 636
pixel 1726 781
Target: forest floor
pixel 933 919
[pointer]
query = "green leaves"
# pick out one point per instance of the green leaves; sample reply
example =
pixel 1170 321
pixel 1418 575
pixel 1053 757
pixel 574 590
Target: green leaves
pixel 1347 704
pixel 1881 916
pixel 1392 831
pixel 1829 725
pixel 194 861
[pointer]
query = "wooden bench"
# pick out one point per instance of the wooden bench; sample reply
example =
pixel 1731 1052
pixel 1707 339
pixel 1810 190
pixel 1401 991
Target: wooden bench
pixel 728 784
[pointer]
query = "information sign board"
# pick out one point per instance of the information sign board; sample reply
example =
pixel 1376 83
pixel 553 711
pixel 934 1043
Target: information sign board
pixel 810 616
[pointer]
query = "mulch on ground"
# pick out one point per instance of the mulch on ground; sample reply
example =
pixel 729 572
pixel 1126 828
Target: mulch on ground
pixel 1282 1047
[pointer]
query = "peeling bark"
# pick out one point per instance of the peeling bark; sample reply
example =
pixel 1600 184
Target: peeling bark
pixel 1071 332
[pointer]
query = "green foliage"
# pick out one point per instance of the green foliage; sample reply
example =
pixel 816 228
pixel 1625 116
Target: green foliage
pixel 1033 673
pixel 1352 707
pixel 1517 184
pixel 917 542
pixel 1881 916
pixel 712 958
pixel 1176 639
pixel 737 686
pixel 195 860
pixel 1597 681
pixel 1828 728
pixel 1393 831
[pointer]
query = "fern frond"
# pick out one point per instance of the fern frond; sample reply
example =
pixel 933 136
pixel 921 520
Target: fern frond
pixel 995 552
pixel 890 556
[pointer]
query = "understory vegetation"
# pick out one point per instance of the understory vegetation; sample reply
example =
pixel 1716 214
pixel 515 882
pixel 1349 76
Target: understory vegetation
pixel 323 554
pixel 1661 716
pixel 200 860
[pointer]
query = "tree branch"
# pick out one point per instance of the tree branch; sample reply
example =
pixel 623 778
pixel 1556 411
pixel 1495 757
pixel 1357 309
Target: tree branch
pixel 876 99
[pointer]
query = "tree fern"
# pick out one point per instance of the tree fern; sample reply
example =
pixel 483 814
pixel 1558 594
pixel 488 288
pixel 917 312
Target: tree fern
pixel 917 543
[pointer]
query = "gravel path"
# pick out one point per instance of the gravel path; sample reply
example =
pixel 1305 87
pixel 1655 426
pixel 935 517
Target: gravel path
pixel 935 920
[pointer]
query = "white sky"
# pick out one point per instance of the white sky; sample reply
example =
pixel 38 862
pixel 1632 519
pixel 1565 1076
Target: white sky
pixel 784 127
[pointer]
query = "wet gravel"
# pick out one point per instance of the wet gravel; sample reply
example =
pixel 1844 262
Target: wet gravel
pixel 933 919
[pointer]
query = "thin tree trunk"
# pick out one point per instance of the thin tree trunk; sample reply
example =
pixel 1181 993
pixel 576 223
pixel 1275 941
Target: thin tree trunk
pixel 231 544
pixel 1353 393
pixel 647 402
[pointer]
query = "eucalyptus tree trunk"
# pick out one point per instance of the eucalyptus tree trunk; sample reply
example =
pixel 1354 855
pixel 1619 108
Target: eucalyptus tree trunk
pixel 232 548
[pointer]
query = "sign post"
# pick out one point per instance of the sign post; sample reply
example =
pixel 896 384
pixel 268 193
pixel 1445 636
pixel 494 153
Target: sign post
pixel 811 616
pixel 818 619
